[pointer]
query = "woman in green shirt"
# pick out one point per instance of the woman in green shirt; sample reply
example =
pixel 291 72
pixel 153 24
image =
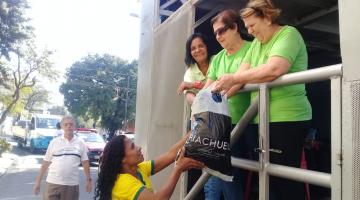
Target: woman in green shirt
pixel 227 30
pixel 275 51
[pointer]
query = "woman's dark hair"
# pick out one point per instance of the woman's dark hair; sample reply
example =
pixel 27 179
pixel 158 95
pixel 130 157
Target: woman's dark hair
pixel 229 18
pixel 189 60
pixel 58 126
pixel 110 167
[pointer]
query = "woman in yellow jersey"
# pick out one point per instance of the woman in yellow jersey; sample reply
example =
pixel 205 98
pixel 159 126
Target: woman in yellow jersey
pixel 124 175
pixel 275 51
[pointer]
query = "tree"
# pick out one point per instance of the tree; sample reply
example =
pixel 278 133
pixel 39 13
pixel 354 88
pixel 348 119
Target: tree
pixel 23 76
pixel 36 98
pixel 101 88
pixel 14 27
pixel 57 110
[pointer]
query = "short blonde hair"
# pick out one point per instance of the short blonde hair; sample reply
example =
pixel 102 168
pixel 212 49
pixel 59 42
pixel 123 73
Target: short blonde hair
pixel 262 8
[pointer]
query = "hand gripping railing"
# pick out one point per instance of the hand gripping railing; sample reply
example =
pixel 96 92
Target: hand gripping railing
pixel 265 168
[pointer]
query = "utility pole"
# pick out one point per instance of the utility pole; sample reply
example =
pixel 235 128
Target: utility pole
pixel 126 101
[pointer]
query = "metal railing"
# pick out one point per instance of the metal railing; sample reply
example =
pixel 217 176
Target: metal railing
pixel 264 167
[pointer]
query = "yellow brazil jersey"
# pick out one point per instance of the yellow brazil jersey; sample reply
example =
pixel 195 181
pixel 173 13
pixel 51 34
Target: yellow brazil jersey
pixel 128 187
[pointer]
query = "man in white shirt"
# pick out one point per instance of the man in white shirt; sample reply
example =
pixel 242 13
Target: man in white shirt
pixel 63 157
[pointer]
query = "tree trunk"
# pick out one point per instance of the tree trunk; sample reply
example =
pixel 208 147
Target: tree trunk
pixel 3 116
pixel 7 110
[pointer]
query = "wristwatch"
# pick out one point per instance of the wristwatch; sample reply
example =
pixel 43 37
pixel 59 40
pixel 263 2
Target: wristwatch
pixel 89 179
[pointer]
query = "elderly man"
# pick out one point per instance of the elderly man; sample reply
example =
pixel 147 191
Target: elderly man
pixel 63 157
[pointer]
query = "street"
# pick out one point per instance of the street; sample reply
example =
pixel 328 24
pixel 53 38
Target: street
pixel 18 182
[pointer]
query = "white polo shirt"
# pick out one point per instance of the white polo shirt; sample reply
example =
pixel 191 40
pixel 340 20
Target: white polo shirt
pixel 65 157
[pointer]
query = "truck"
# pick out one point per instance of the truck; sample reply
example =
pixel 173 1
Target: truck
pixel 37 132
pixel 332 39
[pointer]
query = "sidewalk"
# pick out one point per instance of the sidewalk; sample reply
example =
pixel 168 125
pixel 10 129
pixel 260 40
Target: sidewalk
pixel 6 160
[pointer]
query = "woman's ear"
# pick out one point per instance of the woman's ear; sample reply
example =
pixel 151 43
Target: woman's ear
pixel 236 27
pixel 267 20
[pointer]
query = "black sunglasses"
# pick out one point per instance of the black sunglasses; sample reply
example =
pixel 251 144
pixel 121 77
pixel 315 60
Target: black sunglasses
pixel 221 30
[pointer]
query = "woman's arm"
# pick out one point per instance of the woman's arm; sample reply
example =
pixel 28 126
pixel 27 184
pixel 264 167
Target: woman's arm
pixel 273 69
pixel 208 82
pixel 226 83
pixel 167 189
pixel 189 85
pixel 167 158
pixel 189 96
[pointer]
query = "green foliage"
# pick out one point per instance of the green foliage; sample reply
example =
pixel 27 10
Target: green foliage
pixel 4 146
pixel 31 64
pixel 36 98
pixel 101 88
pixel 14 26
pixel 57 110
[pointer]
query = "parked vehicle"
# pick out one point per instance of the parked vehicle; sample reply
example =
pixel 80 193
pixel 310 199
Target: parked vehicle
pixel 37 133
pixel 19 130
pixel 94 142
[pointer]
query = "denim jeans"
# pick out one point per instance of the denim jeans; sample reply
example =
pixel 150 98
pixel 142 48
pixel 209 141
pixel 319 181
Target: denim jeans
pixel 213 188
pixel 235 190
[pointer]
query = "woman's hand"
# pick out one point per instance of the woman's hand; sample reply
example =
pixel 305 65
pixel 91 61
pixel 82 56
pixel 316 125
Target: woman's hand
pixel 184 86
pixel 183 163
pixel 224 83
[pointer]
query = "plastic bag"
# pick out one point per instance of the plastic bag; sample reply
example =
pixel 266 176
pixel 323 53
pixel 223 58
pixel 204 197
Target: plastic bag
pixel 209 141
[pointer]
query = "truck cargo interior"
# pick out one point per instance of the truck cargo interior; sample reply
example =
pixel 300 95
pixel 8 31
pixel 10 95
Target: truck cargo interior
pixel 318 22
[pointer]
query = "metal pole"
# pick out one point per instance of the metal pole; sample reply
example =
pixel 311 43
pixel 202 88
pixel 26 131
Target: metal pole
pixel 336 141
pixel 264 142
pixel 198 185
pixel 308 76
pixel 244 121
pixel 126 101
pixel 302 175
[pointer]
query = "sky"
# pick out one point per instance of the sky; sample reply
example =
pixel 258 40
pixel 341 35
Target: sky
pixel 76 28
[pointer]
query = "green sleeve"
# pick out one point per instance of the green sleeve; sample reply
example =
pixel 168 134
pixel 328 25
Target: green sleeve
pixel 211 74
pixel 152 167
pixel 247 58
pixel 138 192
pixel 287 45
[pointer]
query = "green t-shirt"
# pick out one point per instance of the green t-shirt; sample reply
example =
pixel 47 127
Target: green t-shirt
pixel 287 103
pixel 229 64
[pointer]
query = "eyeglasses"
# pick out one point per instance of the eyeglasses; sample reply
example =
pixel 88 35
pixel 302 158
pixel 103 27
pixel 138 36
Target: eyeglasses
pixel 221 30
